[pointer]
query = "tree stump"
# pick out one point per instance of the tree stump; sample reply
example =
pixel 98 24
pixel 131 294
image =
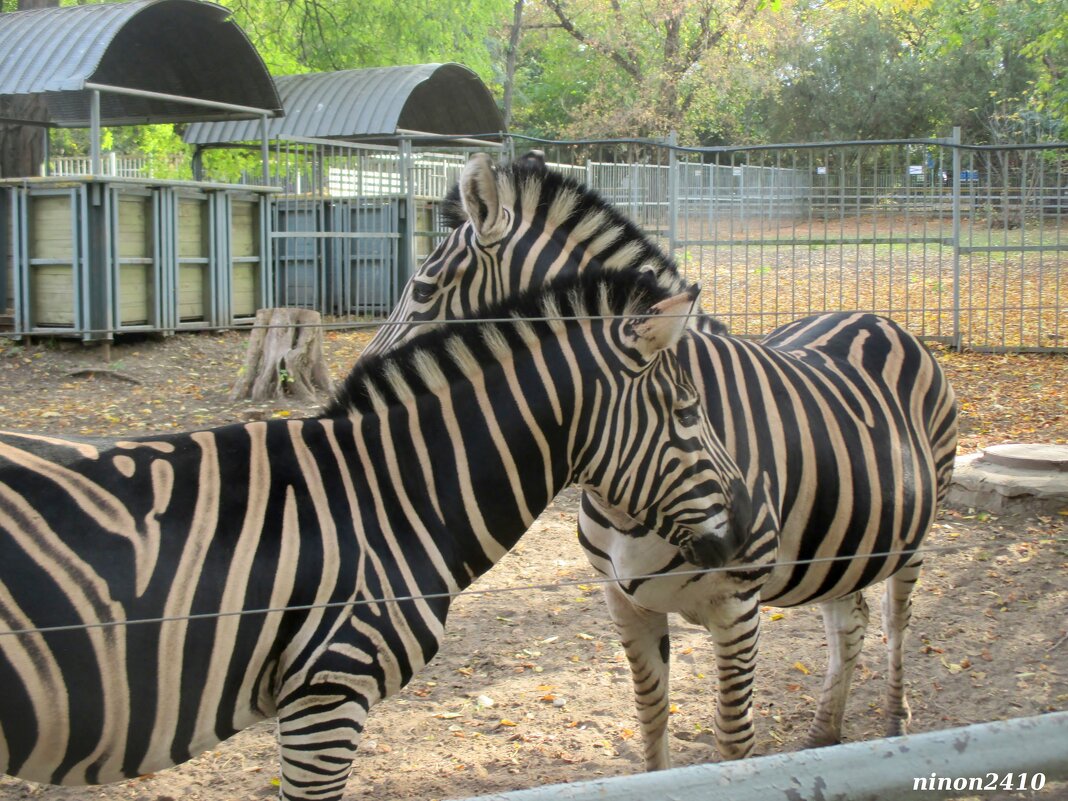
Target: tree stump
pixel 284 357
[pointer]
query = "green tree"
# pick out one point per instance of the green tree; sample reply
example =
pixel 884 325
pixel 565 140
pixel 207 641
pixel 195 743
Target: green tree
pixel 899 68
pixel 323 35
pixel 849 74
pixel 612 68
pixel 1003 65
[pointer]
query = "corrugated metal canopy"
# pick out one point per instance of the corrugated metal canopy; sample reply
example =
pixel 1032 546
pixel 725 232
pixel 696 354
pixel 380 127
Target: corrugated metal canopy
pixel 177 47
pixel 371 103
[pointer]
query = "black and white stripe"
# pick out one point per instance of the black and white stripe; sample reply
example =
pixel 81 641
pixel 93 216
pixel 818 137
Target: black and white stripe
pixel 427 468
pixel 844 421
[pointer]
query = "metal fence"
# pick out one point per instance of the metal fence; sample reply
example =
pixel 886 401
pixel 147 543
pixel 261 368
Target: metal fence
pixel 962 244
pixel 352 219
pixel 118 165
pixel 966 245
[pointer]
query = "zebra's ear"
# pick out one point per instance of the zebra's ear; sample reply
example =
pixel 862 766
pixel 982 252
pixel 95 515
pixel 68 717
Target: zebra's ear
pixel 662 330
pixel 482 203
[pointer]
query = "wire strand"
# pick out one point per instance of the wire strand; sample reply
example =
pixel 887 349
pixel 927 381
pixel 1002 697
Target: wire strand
pixel 356 324
pixel 695 572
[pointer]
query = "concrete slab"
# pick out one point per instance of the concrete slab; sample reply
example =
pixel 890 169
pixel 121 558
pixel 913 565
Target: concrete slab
pixel 1012 479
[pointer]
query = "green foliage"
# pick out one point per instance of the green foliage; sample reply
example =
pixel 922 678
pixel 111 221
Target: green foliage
pixel 603 68
pixel 899 68
pixel 1012 58
pixel 850 76
pixel 716 71
pixel 232 166
pixel 322 35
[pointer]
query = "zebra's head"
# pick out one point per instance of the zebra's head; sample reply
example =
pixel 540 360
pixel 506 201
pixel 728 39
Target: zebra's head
pixel 518 227
pixel 656 464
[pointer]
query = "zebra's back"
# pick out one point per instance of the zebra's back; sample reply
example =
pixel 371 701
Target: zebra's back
pixel 854 422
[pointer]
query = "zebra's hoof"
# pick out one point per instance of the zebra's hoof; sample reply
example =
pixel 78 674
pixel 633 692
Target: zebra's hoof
pixel 821 740
pixel 896 727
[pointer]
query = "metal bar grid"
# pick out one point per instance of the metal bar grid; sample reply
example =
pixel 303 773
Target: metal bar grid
pixel 892 227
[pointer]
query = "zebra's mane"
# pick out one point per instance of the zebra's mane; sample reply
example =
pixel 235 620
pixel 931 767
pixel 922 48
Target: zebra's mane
pixel 618 242
pixel 446 351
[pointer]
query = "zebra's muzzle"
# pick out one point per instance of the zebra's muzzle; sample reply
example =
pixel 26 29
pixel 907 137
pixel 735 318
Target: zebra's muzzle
pixel 706 550
pixel 719 546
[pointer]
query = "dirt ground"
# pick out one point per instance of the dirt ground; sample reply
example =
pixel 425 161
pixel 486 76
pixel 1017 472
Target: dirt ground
pixel 531 686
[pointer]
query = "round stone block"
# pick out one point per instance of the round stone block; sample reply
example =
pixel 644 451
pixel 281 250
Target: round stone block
pixel 1028 456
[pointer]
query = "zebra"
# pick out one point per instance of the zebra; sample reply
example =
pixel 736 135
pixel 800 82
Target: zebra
pixel 303 569
pixel 846 420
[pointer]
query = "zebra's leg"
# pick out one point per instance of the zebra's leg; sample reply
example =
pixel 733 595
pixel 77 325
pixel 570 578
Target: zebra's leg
pixel 846 621
pixel 648 646
pixel 318 732
pixel 897 612
pixel 735 628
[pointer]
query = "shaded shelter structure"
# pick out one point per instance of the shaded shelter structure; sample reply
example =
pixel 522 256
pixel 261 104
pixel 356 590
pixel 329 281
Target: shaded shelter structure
pixel 363 158
pixel 381 104
pixel 180 50
pixel 96 255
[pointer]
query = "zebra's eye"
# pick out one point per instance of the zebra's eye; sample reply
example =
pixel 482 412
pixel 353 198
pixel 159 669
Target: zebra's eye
pixel 688 415
pixel 421 292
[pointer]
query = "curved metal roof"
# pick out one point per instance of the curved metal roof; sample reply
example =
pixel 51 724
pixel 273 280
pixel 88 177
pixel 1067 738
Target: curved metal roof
pixel 432 98
pixel 178 47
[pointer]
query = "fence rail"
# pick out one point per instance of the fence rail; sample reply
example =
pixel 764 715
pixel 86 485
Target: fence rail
pixel 941 764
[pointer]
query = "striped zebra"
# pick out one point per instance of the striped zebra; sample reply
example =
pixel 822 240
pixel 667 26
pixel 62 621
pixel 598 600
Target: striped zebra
pixel 428 466
pixel 847 417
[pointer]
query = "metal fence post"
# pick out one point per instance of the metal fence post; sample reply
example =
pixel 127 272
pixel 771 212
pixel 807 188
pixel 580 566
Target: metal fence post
pixel 94 133
pixel 673 193
pixel 407 260
pixel 955 144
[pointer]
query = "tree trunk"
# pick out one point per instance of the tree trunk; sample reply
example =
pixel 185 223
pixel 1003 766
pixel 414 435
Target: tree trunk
pixel 22 146
pixel 509 66
pixel 284 357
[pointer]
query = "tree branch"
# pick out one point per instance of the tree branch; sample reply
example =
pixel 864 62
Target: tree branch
pixel 628 65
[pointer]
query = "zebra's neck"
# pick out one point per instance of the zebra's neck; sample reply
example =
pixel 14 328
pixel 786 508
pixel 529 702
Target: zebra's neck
pixel 473 449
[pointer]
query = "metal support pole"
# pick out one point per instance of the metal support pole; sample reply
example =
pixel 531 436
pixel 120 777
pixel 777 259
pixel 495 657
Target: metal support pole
pixel 673 194
pixel 94 132
pixel 407 259
pixel 955 144
pixel 264 150
pixel 46 149
pixel 933 765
